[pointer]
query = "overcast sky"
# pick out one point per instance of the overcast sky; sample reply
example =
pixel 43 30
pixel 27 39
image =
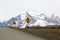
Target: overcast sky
pixel 11 8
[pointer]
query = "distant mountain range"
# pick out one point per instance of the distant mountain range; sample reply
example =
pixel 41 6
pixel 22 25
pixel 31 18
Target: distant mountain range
pixel 41 20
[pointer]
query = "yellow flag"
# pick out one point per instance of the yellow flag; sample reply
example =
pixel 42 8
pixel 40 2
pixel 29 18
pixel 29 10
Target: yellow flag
pixel 28 20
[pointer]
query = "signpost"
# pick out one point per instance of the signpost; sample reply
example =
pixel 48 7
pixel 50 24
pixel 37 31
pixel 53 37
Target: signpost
pixel 28 20
pixel 14 23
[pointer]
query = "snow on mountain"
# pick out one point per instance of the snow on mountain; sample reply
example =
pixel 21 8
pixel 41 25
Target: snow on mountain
pixel 44 20
pixel 33 19
pixel 14 19
pixel 41 20
pixel 51 20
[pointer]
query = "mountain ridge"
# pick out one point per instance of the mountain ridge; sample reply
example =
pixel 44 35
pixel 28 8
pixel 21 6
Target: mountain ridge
pixel 41 20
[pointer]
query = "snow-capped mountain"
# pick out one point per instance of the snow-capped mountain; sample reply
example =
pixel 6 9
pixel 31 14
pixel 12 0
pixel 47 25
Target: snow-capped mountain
pixel 41 20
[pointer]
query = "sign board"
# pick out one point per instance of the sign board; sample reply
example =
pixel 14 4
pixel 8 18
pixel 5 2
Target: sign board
pixel 28 20
pixel 14 23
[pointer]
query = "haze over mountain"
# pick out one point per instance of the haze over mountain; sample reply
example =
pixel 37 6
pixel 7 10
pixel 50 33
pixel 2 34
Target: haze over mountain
pixel 41 20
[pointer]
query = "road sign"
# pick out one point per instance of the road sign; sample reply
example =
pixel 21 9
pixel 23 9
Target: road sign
pixel 28 20
pixel 14 23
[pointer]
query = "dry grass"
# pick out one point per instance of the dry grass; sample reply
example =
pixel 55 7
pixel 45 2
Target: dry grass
pixel 50 33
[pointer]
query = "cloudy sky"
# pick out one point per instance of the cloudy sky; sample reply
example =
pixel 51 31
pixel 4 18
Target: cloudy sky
pixel 11 8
